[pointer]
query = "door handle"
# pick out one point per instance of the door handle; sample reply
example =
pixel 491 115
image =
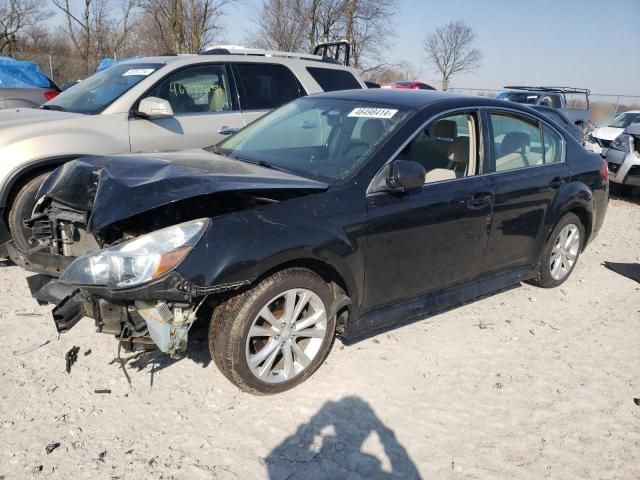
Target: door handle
pixel 479 200
pixel 227 130
pixel 556 183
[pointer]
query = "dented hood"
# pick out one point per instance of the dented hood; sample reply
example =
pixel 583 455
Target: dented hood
pixel 118 187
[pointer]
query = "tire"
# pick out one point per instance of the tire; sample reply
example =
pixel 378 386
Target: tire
pixel 21 209
pixel 548 277
pixel 235 348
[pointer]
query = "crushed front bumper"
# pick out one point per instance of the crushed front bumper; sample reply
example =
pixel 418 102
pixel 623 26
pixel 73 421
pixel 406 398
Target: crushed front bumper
pixel 624 167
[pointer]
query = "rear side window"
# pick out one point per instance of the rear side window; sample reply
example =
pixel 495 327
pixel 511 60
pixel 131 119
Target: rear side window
pixel 331 80
pixel 267 86
pixel 517 142
pixel 552 145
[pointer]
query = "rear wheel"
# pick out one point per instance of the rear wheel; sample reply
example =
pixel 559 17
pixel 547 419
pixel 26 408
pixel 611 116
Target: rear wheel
pixel 21 209
pixel 276 335
pixel 561 252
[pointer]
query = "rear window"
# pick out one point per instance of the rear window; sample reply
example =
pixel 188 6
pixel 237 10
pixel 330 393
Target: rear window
pixel 331 80
pixel 267 86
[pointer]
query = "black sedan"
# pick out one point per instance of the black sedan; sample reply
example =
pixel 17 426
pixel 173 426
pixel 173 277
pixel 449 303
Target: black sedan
pixel 341 214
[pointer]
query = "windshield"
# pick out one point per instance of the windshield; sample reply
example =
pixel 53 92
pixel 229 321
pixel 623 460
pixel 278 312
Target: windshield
pixel 321 138
pixel 625 119
pixel 97 92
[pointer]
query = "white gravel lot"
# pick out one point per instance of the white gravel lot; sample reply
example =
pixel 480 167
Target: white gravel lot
pixel 527 384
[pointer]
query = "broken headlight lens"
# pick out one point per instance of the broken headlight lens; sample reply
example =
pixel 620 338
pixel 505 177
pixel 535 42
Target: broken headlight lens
pixel 139 260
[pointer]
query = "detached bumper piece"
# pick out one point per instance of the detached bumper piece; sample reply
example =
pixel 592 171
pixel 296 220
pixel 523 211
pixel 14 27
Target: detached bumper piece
pixel 72 304
pixel 39 262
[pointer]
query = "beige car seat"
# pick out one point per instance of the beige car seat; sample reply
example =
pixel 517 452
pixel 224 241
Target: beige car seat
pixel 218 101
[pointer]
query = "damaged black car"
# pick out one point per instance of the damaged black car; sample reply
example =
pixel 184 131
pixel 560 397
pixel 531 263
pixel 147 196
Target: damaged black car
pixel 340 214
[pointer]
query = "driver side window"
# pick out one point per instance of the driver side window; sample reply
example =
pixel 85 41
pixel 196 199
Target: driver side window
pixel 201 89
pixel 447 148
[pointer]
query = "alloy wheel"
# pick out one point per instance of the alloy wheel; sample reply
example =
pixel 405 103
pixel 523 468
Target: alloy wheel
pixel 565 251
pixel 286 335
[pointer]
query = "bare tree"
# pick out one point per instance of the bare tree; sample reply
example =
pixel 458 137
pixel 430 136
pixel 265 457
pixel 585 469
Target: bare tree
pixel 16 16
pixel 302 24
pixel 402 70
pixel 93 31
pixel 450 49
pixel 186 26
pixel 280 26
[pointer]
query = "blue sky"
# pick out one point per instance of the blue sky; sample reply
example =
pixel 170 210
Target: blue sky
pixel 591 44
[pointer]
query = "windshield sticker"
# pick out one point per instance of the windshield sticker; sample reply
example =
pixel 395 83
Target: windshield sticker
pixel 143 72
pixel 373 112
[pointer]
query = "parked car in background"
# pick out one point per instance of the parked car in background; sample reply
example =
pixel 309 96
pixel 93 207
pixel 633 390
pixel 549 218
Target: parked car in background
pixel 561 119
pixel 24 85
pixel 601 137
pixel 554 97
pixel 150 104
pixel 408 85
pixel 341 213
pixel 623 160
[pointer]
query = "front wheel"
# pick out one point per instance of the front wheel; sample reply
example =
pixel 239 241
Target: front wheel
pixel 561 252
pixel 21 209
pixel 276 335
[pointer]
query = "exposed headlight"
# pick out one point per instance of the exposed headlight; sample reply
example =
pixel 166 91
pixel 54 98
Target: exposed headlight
pixel 622 143
pixel 139 260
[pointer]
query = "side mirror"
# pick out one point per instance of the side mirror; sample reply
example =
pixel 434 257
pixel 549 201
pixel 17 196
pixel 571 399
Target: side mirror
pixel 154 107
pixel 405 175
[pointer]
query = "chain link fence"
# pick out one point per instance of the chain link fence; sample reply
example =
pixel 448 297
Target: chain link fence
pixel 62 69
pixel 602 105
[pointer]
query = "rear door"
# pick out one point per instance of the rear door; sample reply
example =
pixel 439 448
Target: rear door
pixel 264 87
pixel 527 161
pixel 203 99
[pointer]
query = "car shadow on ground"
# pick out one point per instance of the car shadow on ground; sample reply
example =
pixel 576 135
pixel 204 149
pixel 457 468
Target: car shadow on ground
pixel 330 445
pixel 632 197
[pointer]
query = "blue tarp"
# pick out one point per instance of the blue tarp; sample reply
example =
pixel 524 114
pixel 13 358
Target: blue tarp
pixel 107 62
pixel 21 74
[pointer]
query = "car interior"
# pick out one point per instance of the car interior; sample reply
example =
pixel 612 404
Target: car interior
pixel 195 92
pixel 446 148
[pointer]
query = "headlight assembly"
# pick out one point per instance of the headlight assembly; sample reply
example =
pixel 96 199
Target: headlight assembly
pixel 139 260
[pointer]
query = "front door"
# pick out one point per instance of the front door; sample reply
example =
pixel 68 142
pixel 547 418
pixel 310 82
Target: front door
pixel 203 101
pixel 529 170
pixel 434 237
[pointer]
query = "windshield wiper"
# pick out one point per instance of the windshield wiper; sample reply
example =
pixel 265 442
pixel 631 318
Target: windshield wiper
pixel 57 108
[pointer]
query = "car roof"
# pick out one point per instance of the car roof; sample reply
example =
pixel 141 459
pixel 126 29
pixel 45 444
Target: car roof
pixel 193 58
pixel 417 99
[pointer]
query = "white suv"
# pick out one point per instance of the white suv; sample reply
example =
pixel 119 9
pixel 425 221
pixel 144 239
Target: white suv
pixel 150 104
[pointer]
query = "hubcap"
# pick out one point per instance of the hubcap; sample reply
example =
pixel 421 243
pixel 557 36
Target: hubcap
pixel 565 252
pixel 286 335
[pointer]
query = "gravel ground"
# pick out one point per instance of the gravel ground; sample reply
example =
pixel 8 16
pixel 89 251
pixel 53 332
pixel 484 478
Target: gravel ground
pixel 527 384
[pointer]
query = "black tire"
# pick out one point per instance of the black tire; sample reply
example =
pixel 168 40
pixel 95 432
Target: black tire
pixel 231 321
pixel 619 189
pixel 21 209
pixel 545 278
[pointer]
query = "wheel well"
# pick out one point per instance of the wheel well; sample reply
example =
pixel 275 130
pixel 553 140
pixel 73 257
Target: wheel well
pixel 328 273
pixel 585 219
pixel 24 178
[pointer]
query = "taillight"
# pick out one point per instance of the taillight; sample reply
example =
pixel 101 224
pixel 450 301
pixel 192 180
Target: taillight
pixel 49 94
pixel 604 171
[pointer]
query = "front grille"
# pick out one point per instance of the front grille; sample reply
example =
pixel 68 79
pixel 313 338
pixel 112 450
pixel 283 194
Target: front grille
pixel 635 171
pixel 614 167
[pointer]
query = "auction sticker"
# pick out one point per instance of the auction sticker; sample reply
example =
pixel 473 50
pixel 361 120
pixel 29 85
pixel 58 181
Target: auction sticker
pixel 373 112
pixel 143 72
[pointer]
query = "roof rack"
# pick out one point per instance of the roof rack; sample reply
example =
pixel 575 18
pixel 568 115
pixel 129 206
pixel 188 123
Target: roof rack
pixel 585 91
pixel 240 50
